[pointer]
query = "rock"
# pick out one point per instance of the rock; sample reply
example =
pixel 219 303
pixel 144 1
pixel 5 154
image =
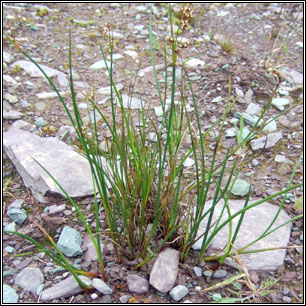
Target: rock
pixel 253 109
pixel 65 288
pixel 240 187
pixel 231 132
pixel 106 299
pixel 66 133
pixel 280 103
pixel 197 271
pixel 165 269
pixel 270 127
pixel 40 106
pixel 218 99
pixel 107 90
pixel 9 79
pixel 91 253
pixel 220 274
pixel 12 115
pixel 51 95
pixel 70 242
pixel 124 299
pixel 292 76
pixel 137 284
pixel 251 119
pixel 149 69
pixel 10 98
pixel 62 80
pixel 17 215
pixel 71 170
pixel 195 63
pixel 21 124
pixel 101 286
pixel 255 222
pixel 100 65
pixel 29 278
pixel 40 122
pixel 266 142
pixel 9 249
pixel 10 227
pixel 131 53
pixel 7 57
pixel 34 72
pixel 130 102
pixel 189 162
pixel 117 35
pixel 178 292
pixel 116 57
pixel 282 159
pixel 9 295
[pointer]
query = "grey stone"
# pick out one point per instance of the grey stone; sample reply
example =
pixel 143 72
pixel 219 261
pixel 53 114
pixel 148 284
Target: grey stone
pixel 280 103
pixel 17 215
pixel 124 298
pixel 195 63
pixel 131 102
pixel 10 227
pixel 40 122
pixel 149 69
pixel 197 271
pixel 292 76
pixel 251 119
pixel 9 295
pixel 178 292
pixel 255 222
pixel 253 109
pixel 21 124
pixel 106 299
pixel 70 242
pixel 51 95
pixel 101 286
pixel 10 98
pixel 92 117
pixel 220 274
pixel 16 204
pixel 282 159
pixel 165 269
pixel 65 288
pixel 9 79
pixel 137 284
pixel 100 65
pixel 7 57
pixel 107 90
pixel 29 278
pixel 240 187
pixel 34 72
pixel 9 249
pixel 270 127
pixel 40 106
pixel 266 142
pixel 91 253
pixel 70 169
pixel 62 80
pixel 12 115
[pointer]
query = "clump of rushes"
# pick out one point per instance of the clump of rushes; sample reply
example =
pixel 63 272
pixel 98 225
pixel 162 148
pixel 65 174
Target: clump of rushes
pixel 152 200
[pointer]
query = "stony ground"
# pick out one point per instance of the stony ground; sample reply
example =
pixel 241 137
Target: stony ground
pixel 252 28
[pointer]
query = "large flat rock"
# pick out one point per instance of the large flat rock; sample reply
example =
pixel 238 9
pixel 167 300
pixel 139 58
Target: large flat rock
pixel 69 168
pixel 255 222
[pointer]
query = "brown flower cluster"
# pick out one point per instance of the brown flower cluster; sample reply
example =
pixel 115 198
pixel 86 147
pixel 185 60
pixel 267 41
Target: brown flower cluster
pixel 186 16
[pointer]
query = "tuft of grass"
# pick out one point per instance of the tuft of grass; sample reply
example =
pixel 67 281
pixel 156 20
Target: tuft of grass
pixel 150 198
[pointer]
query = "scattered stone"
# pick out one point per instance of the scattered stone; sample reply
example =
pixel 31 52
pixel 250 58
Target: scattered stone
pixel 270 127
pixel 254 223
pixel 107 90
pixel 124 299
pixel 218 99
pixel 71 170
pixel 34 72
pixel 10 227
pixel 21 124
pixel 207 273
pixel 280 103
pixel 106 299
pixel 117 35
pixel 240 187
pixel 251 119
pixel 50 95
pixel 130 102
pixel 266 142
pixel 9 79
pixel 7 58
pixel 165 269
pixel 137 284
pixel 10 98
pixel 292 76
pixel 142 72
pixel 131 53
pixel 92 117
pixel 195 63
pixel 197 271
pixel 189 162
pixel 62 80
pixel 65 288
pixel 66 133
pixel 100 65
pixel 12 115
pixel 220 274
pixel 70 242
pixel 40 106
pixel 282 159
pixel 9 295
pixel 9 249
pixel 178 292
pixel 40 122
pixel 101 286
pixel 116 57
pixel 253 109
pixel 17 215
pixel 29 278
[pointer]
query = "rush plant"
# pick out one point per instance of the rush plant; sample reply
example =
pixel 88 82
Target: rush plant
pixel 151 198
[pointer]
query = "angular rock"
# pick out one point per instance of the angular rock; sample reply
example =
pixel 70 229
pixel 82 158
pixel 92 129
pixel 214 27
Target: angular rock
pixel 292 76
pixel 280 103
pixel 50 95
pixel 149 69
pixel 266 142
pixel 91 253
pixel 107 90
pixel 7 57
pixel 178 292
pixel 34 72
pixel 240 187
pixel 253 109
pixel 70 169
pixel 10 98
pixel 101 286
pixel 9 79
pixel 70 242
pixel 29 278
pixel 137 284
pixel 13 115
pixel 197 271
pixel 165 269
pixel 282 159
pixel 270 127
pixel 255 222
pixel 100 65
pixel 220 274
pixel 65 288
pixel 17 215
pixel 131 102
pixel 194 63
pixel 40 122
pixel 131 53
pixel 9 295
